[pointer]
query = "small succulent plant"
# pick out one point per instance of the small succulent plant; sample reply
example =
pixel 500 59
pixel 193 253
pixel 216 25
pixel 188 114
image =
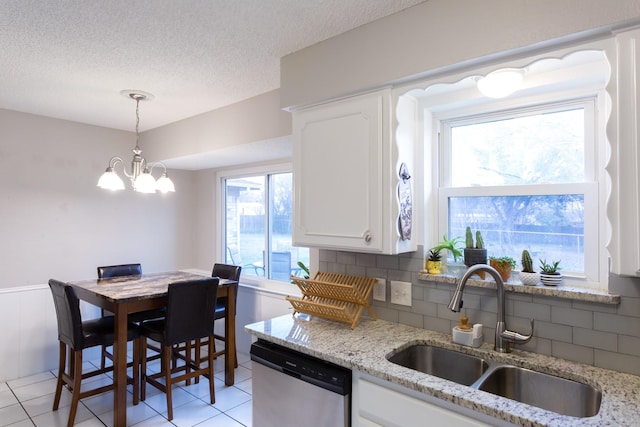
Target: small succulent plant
pixel 527 262
pixel 469 239
pixel 434 255
pixel 504 260
pixel 450 245
pixel 551 268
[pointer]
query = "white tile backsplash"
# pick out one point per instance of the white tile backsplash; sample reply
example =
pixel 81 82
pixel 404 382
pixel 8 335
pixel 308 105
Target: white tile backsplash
pixel 607 336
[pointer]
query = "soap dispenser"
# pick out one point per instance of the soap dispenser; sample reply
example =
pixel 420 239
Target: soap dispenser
pixel 467 335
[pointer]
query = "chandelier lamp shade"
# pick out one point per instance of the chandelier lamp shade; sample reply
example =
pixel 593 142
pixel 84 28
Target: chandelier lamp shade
pixel 140 176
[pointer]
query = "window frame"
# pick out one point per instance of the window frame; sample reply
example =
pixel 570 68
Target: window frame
pixel 221 177
pixel 593 101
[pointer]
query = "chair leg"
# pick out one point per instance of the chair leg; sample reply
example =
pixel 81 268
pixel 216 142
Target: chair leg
pixel 77 379
pixel 61 365
pixel 196 360
pixel 187 360
pixel 136 370
pixel 167 378
pixel 212 393
pixel 103 356
pixel 143 368
pixel 71 366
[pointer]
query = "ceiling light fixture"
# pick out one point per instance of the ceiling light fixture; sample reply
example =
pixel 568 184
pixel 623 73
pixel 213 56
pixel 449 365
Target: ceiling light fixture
pixel 141 179
pixel 501 83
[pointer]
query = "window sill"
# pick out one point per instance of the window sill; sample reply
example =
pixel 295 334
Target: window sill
pixel 566 292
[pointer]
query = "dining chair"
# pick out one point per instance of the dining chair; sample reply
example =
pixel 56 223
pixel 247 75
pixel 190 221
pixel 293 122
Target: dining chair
pixel 222 271
pixel 231 272
pixel 121 270
pixel 78 335
pixel 189 317
pixel 109 271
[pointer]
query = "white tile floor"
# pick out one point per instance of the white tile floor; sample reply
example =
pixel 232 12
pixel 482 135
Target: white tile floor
pixel 28 402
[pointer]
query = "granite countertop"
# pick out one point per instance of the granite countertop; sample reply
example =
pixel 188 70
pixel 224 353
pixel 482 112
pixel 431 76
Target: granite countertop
pixel 365 349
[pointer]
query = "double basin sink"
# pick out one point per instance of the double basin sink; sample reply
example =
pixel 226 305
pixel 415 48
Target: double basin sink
pixel 560 395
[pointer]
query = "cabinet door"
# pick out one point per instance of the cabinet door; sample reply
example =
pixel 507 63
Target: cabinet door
pixel 377 402
pixel 338 171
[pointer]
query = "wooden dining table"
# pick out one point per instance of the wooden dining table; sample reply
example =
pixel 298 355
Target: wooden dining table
pixel 131 294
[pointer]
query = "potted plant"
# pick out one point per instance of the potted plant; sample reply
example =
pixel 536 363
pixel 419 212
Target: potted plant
pixel 549 274
pixel 434 261
pixel 454 249
pixel 504 265
pixel 527 276
pixel 474 254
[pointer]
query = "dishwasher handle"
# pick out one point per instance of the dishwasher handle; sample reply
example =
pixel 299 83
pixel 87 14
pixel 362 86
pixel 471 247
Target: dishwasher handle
pixel 291 373
pixel 277 367
pixel 268 363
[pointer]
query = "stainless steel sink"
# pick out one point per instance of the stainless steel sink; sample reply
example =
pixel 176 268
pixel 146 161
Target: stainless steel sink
pixel 563 396
pixel 448 364
pixel 548 392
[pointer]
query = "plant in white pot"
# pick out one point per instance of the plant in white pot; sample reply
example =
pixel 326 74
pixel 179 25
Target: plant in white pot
pixel 549 274
pixel 527 276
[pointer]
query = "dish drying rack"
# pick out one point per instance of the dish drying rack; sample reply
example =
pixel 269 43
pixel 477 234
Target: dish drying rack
pixel 334 296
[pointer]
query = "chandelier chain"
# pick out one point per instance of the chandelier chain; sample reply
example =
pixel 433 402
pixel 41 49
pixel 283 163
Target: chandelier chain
pixel 137 118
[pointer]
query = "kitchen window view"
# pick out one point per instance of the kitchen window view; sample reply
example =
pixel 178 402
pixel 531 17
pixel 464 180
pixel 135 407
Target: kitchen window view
pixel 522 178
pixel 258 214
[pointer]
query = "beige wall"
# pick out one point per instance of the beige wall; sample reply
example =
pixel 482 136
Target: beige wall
pixel 256 119
pixel 433 36
pixel 57 224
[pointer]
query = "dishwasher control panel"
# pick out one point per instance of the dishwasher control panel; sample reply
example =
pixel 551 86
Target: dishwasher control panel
pixel 299 365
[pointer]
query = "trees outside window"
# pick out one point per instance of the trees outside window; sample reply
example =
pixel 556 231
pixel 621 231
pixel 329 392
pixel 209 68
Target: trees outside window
pixel 523 178
pixel 257 216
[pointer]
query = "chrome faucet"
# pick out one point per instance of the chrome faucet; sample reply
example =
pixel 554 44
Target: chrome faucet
pixel 503 336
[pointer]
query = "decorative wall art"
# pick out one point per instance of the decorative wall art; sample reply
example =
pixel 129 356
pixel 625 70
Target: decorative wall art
pixel 406 204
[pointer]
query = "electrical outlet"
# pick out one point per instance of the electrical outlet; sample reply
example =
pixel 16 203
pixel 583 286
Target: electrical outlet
pixel 380 290
pixel 401 293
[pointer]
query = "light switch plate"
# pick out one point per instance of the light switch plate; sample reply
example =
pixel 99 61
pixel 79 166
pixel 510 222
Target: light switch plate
pixel 401 293
pixel 380 290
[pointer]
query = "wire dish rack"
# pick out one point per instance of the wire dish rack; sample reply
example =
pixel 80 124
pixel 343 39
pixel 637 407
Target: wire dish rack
pixel 334 296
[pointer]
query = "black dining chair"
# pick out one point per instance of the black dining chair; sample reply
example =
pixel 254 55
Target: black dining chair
pixel 189 317
pixel 122 270
pixel 222 271
pixel 109 271
pixel 77 335
pixel 231 272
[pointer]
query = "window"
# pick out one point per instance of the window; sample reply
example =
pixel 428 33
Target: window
pixel 525 178
pixel 257 212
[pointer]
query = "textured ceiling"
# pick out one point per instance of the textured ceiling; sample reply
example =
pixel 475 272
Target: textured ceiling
pixel 70 59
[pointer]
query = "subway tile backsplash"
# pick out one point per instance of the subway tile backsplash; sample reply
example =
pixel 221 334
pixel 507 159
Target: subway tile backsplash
pixel 607 336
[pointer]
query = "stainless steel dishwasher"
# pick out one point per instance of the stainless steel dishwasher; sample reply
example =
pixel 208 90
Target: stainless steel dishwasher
pixel 294 389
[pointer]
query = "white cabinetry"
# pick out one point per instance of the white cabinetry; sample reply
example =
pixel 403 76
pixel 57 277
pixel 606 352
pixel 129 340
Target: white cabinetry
pixel 346 176
pixel 379 403
pixel 624 166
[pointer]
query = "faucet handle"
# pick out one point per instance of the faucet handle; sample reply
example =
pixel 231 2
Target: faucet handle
pixel 516 337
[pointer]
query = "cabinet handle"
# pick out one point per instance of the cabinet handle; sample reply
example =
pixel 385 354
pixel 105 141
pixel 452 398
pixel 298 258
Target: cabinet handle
pixel 367 237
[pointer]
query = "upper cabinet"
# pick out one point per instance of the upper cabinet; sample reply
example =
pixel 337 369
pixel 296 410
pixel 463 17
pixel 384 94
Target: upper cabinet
pixel 352 183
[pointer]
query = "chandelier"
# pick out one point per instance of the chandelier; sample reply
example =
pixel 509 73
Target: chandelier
pixel 141 179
